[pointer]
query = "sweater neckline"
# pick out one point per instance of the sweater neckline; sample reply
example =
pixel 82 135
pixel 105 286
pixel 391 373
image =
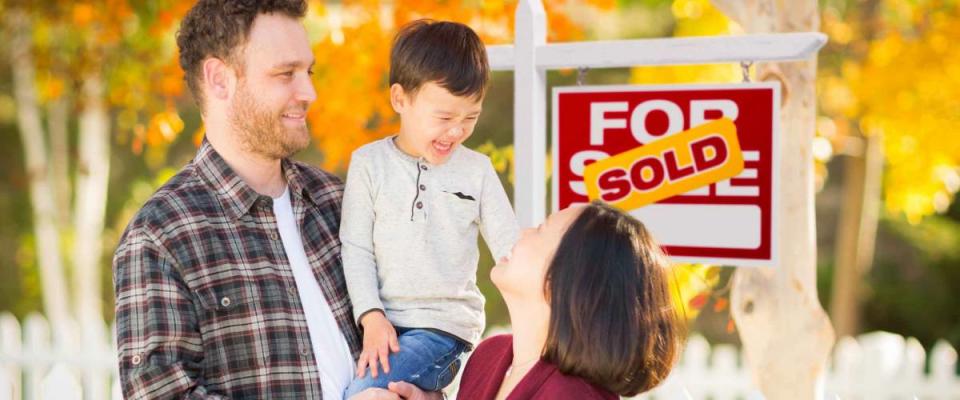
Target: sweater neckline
pixel 392 143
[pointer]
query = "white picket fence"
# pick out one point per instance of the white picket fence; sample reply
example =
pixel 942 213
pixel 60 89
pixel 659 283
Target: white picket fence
pixel 875 366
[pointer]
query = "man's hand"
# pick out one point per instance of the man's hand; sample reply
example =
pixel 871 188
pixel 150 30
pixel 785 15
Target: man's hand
pixel 412 392
pixel 379 339
pixel 375 394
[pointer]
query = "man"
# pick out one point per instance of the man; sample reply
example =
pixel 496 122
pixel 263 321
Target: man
pixel 228 281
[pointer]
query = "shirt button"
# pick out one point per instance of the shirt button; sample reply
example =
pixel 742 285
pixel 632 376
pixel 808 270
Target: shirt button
pixel 304 351
pixel 423 187
pixel 225 302
pixel 273 236
pixel 291 291
pixel 419 205
pixel 135 360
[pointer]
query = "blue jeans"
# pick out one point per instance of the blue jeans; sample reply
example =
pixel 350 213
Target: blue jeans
pixel 426 358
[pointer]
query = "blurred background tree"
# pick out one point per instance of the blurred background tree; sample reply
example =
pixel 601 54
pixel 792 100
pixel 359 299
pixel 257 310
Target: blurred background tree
pixel 889 94
pixel 72 68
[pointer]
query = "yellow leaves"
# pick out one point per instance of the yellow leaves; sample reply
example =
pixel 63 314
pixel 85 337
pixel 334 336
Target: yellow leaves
pixel 886 50
pixel 82 14
pixel 938 43
pixel 909 87
pixel 837 97
pixel 50 87
pixel 700 18
pixel 686 74
pixel 694 18
pixel 500 157
pixel 691 286
pixel 688 9
pixel 840 32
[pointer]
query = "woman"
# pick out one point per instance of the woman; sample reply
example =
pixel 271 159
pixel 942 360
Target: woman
pixel 590 310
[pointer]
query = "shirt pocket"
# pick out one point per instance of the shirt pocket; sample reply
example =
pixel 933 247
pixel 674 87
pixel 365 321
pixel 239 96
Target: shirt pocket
pixel 233 327
pixel 458 205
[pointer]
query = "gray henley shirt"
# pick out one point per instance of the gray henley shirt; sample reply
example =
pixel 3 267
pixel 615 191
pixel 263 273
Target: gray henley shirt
pixel 409 233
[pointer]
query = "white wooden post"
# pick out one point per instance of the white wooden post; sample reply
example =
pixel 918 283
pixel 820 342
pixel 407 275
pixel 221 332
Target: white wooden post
pixel 37 343
pixel 10 347
pixel 724 363
pixel 943 366
pixel 61 383
pixel 531 56
pixel 529 110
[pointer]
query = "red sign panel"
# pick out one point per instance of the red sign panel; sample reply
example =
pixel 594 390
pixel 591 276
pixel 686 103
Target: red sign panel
pixel 731 221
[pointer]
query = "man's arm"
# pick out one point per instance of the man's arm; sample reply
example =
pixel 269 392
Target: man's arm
pixel 498 223
pixel 158 337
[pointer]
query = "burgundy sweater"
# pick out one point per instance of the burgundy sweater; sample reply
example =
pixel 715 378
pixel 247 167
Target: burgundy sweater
pixel 487 366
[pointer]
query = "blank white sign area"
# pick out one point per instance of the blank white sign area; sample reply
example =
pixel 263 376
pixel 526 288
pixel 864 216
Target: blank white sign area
pixel 701 225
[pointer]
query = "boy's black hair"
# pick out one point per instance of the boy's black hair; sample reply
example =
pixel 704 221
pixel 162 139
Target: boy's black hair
pixel 448 53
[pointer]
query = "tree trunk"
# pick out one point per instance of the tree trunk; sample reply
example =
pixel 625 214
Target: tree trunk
pixel 93 169
pixel 785 332
pixel 857 223
pixel 857 231
pixel 57 121
pixel 32 135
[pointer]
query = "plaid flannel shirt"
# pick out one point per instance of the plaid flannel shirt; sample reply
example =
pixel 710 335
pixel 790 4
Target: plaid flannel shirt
pixel 206 302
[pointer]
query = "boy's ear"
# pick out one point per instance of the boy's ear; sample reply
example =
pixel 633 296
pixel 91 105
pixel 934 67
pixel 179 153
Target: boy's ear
pixel 398 98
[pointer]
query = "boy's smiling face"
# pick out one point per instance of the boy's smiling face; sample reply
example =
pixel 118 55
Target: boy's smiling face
pixel 433 121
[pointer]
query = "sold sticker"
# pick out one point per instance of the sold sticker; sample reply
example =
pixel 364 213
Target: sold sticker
pixel 664 168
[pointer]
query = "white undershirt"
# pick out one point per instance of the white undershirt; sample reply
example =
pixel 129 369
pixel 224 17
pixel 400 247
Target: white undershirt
pixel 330 348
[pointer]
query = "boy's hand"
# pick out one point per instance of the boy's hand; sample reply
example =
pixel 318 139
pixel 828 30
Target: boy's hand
pixel 379 339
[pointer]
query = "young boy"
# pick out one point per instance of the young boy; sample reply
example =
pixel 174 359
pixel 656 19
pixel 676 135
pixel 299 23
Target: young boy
pixel 412 207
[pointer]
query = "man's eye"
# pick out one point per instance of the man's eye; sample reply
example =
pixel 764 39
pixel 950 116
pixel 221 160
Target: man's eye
pixel 287 74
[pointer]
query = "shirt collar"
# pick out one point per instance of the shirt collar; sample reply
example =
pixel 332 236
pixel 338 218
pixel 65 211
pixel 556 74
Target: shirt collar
pixel 296 183
pixel 234 194
pixel 392 142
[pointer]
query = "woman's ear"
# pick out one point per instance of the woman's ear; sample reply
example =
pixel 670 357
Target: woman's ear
pixel 398 98
pixel 217 78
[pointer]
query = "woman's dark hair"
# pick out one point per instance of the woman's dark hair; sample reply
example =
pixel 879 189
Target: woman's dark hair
pixel 448 53
pixel 217 28
pixel 612 321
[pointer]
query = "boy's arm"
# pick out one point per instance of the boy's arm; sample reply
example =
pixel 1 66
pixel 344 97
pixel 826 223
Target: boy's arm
pixel 498 224
pixel 158 338
pixel 360 270
pixel 356 236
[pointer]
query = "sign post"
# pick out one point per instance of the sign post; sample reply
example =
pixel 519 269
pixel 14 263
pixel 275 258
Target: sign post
pixel 531 56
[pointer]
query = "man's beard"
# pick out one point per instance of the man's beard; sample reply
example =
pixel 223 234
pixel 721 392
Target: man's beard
pixel 261 131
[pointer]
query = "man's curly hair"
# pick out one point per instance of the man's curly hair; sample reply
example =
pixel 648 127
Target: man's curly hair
pixel 218 28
